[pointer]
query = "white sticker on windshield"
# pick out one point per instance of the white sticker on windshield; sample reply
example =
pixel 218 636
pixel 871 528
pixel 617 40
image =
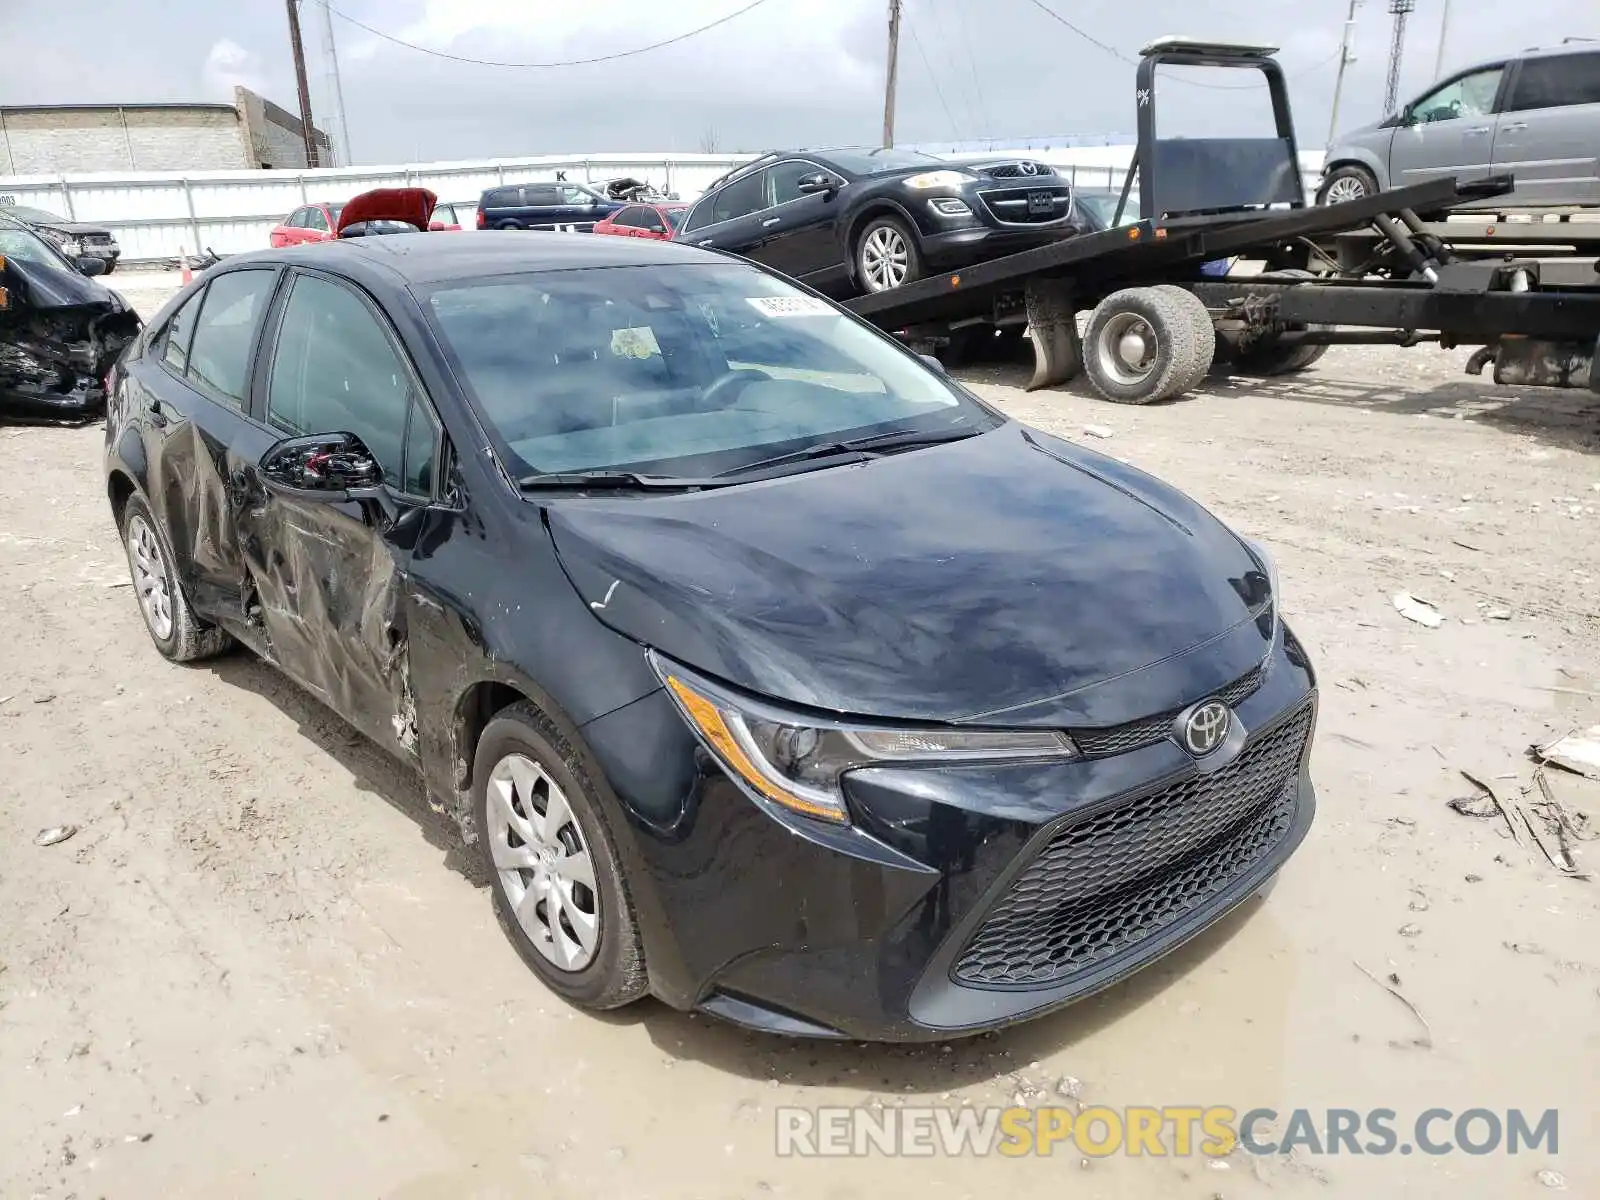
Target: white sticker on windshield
pixel 790 306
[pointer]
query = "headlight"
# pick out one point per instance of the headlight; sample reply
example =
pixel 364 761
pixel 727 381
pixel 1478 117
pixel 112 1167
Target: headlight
pixel 798 764
pixel 71 247
pixel 936 179
pixel 1269 566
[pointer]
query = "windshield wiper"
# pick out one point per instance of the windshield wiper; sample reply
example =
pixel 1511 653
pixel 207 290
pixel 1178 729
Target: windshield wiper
pixel 866 446
pixel 582 481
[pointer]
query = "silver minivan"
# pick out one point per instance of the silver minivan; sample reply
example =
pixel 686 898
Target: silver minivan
pixel 1535 115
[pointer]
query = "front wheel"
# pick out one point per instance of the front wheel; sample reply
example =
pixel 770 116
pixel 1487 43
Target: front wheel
pixel 543 840
pixel 886 255
pixel 1347 183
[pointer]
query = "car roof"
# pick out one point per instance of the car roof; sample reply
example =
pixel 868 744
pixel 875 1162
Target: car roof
pixel 427 258
pixel 1570 46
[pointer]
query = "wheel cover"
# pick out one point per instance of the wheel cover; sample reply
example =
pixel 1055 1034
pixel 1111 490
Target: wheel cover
pixel 1127 349
pixel 541 856
pixel 885 258
pixel 152 578
pixel 1346 188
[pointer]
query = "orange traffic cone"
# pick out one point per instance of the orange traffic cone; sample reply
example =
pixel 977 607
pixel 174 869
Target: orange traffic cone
pixel 183 261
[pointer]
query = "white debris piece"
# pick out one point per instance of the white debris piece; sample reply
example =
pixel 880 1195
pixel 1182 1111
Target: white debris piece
pixel 1579 752
pixel 1420 611
pixel 1099 431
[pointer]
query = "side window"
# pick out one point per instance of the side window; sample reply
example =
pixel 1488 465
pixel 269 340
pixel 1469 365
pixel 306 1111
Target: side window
pixel 334 370
pixel 296 219
pixel 577 196
pixel 421 451
pixel 445 214
pixel 542 194
pixel 179 330
pixel 628 217
pixel 1560 81
pixel 219 360
pixel 784 180
pixel 740 198
pixel 697 216
pixel 316 219
pixel 650 219
pixel 1470 96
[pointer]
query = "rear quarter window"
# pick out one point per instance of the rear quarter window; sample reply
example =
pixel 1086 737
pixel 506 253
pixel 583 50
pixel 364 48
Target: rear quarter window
pixel 1560 81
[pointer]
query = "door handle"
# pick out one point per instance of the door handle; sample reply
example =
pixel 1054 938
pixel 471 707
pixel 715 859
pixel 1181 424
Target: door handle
pixel 704 242
pixel 1477 131
pixel 1515 126
pixel 770 222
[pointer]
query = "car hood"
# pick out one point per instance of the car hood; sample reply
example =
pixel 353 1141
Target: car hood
pixel 411 205
pixel 1009 578
pixel 56 286
pixel 75 228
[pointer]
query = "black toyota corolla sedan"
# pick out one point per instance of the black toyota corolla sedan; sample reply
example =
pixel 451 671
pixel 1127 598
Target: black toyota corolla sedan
pixel 769 671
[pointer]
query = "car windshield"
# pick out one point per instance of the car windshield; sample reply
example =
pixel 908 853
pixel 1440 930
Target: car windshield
pixel 23 213
pixel 28 247
pixel 681 370
pixel 1104 206
pixel 871 162
pixel 333 212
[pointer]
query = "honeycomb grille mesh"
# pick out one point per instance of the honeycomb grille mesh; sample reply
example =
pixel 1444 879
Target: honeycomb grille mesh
pixel 1147 731
pixel 1109 882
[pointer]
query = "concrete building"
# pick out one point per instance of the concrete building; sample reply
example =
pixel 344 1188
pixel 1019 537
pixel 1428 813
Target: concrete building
pixel 56 139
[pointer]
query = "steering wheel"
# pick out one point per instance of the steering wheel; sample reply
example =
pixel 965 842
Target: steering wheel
pixel 724 393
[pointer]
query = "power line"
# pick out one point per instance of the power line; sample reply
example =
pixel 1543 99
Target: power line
pixel 966 40
pixel 937 90
pixel 575 62
pixel 975 122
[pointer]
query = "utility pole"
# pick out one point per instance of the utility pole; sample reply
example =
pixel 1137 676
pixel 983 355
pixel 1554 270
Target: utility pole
pixel 1401 10
pixel 1444 33
pixel 330 58
pixel 1346 57
pixel 894 60
pixel 300 81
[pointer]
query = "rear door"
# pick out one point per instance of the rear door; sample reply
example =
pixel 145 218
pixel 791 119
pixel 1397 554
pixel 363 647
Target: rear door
pixel 734 220
pixel 329 579
pixel 1449 132
pixel 1549 131
pixel 801 230
pixel 199 386
pixel 317 227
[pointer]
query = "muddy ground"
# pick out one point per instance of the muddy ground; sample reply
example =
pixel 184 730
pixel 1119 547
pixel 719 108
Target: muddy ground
pixel 262 969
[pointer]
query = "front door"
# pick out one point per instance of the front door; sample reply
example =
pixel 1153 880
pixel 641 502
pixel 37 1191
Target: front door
pixel 1449 132
pixel 802 239
pixel 1549 134
pixel 330 579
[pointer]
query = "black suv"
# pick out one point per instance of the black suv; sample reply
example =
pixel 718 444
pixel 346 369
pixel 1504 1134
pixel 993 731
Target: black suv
pixel 567 207
pixel 857 220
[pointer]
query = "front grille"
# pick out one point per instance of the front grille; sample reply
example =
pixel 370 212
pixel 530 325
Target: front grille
pixel 1147 731
pixel 1010 205
pixel 1015 171
pixel 1108 882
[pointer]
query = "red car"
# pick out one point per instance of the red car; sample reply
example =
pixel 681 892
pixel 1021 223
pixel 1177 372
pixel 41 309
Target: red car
pixel 657 221
pixel 445 217
pixel 308 223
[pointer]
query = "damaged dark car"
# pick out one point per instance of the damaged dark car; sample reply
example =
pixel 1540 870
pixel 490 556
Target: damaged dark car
pixel 767 669
pixel 60 331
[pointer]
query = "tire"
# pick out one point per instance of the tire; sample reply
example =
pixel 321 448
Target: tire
pixel 111 265
pixel 1155 318
pixel 524 759
pixel 1268 359
pixel 177 632
pixel 1344 181
pixel 886 240
pixel 1205 335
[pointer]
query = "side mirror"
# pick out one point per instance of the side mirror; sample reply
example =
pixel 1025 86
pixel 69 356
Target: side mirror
pixel 820 182
pixel 87 264
pixel 330 468
pixel 933 363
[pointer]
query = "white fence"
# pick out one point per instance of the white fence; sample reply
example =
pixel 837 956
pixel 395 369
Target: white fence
pixel 157 216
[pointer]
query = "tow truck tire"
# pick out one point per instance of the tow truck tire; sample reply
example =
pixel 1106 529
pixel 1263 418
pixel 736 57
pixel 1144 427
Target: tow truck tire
pixel 1267 358
pixel 1205 334
pixel 1140 345
pixel 1348 182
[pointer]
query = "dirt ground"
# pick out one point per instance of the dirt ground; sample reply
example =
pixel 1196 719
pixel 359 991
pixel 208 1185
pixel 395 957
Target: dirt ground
pixel 261 968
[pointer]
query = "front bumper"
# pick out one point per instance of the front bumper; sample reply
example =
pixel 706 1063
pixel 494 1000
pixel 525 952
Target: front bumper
pixel 979 243
pixel 963 898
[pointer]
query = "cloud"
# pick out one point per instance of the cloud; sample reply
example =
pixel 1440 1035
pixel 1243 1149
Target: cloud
pixel 230 65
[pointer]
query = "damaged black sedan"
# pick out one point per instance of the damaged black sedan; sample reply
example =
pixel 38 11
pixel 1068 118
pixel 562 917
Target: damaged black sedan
pixel 768 670
pixel 60 331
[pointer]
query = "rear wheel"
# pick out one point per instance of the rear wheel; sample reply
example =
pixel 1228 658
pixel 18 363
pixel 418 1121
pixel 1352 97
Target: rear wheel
pixel 178 633
pixel 886 255
pixel 1140 345
pixel 1205 334
pixel 1268 356
pixel 1347 183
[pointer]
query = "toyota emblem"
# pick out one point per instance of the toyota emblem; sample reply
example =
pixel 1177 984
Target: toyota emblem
pixel 1206 728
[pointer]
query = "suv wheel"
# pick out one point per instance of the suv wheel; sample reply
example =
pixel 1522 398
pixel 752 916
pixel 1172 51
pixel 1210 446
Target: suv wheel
pixel 1346 184
pixel 886 255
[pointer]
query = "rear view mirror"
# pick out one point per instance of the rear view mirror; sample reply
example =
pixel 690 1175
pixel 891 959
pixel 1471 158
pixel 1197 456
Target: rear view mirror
pixel 332 468
pixel 820 182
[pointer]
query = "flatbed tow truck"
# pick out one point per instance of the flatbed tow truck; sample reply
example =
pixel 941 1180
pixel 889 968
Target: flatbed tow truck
pixel 1160 313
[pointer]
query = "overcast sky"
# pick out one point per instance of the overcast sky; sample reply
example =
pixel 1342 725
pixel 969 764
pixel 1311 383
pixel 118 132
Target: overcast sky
pixel 790 72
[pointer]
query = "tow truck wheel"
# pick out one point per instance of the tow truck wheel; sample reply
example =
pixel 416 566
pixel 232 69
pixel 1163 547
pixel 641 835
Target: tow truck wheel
pixel 1140 345
pixel 1268 357
pixel 1205 334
